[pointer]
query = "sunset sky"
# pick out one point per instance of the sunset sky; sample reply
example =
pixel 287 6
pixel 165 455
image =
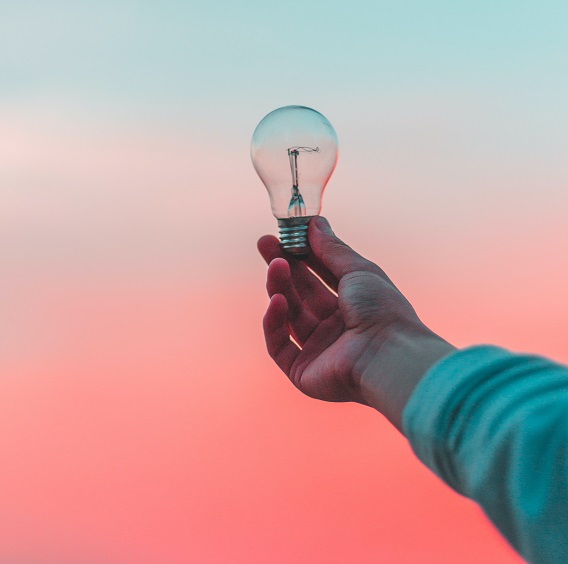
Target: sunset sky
pixel 141 419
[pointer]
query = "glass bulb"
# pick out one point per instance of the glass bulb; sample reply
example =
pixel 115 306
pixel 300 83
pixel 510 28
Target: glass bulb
pixel 294 151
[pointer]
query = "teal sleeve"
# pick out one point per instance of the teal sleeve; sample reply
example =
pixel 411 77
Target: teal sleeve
pixel 494 426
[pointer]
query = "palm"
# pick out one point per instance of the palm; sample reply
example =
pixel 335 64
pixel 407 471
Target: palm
pixel 329 371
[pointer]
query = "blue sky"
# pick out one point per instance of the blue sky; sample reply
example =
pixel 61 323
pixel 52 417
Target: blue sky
pixel 213 61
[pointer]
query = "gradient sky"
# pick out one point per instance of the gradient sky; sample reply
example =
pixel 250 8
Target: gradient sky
pixel 140 417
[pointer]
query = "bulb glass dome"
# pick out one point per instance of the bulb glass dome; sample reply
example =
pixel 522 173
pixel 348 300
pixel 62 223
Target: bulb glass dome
pixel 294 151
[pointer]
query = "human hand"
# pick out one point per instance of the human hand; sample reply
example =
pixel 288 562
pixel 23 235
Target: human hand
pixel 360 342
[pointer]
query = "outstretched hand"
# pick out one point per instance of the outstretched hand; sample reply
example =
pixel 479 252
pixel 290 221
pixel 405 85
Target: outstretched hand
pixel 351 334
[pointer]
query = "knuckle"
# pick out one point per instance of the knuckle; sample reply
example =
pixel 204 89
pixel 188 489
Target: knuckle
pixel 331 247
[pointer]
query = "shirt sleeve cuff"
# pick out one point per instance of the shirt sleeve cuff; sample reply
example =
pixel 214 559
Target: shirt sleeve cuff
pixel 434 405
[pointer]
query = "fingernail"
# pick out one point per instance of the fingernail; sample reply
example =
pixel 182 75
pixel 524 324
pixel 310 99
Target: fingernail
pixel 323 225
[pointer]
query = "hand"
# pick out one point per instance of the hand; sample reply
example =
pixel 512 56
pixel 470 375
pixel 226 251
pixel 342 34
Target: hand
pixel 358 339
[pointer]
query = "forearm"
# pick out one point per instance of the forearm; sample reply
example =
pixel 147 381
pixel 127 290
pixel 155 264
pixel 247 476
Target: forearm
pixel 494 426
pixel 394 366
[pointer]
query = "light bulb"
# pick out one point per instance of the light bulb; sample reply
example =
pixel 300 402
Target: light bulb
pixel 294 151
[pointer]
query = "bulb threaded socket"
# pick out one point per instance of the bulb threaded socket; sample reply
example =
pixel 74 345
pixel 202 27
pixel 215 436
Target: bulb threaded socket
pixel 294 235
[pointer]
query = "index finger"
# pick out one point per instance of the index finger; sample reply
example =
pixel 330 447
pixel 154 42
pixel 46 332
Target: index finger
pixel 269 247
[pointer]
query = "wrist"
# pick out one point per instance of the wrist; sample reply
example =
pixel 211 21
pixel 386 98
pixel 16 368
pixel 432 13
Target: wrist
pixel 396 364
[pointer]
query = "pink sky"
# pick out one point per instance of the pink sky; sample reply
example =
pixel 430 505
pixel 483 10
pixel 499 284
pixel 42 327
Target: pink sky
pixel 141 417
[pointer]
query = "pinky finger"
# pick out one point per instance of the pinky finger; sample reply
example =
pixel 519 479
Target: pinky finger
pixel 277 334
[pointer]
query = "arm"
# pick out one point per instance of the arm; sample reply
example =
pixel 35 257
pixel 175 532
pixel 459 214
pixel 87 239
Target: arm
pixel 493 425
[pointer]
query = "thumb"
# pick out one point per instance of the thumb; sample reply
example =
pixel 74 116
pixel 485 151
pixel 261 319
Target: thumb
pixel 338 257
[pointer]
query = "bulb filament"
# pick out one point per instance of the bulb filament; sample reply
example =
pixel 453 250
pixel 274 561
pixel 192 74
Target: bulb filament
pixel 297 207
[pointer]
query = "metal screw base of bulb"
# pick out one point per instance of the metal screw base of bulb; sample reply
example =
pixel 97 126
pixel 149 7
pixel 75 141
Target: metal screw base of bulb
pixel 294 235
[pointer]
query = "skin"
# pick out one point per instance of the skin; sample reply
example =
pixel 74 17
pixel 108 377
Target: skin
pixel 356 337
